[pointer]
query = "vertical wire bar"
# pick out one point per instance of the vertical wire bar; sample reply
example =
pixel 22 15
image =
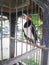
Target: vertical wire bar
pixel 32 8
pixel 10 26
pixel 31 23
pixel 32 12
pixel 4 26
pixel 16 24
pixel 1 35
pixel 22 28
pixel 31 4
pixel 39 22
pixel 34 24
pixel 42 27
pixel 42 38
pixel 39 12
pixel 39 57
pixel 38 18
pixel 36 57
pixel 27 32
pixel 35 7
pixel 37 32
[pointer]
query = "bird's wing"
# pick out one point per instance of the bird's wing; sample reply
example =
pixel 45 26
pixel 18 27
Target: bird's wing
pixel 27 24
pixel 33 30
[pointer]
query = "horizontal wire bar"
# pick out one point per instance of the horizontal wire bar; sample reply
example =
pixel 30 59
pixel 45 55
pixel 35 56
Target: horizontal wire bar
pixel 18 58
pixel 35 45
pixel 5 6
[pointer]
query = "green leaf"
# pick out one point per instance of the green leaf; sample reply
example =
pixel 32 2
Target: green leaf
pixel 36 20
pixel 30 61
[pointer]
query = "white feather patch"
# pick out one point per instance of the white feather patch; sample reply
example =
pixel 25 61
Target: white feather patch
pixel 28 32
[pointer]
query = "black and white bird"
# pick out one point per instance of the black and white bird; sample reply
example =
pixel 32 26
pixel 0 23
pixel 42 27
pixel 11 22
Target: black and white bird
pixel 29 29
pixel 20 63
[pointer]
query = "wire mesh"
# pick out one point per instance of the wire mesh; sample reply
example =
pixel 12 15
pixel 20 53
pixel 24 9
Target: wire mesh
pixel 23 45
pixel 27 33
pixel 33 59
pixel 16 25
pixel 10 26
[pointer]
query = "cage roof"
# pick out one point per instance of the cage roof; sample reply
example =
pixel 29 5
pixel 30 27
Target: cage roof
pixel 13 4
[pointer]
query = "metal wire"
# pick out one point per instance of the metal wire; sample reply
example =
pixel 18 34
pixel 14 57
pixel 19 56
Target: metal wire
pixel 42 26
pixel 31 4
pixel 38 46
pixel 16 24
pixel 22 33
pixel 31 41
pixel 27 32
pixel 10 25
pixel 34 24
pixel 31 23
pixel 39 19
pixel 22 27
pixel 1 35
pixel 31 8
pixel 42 29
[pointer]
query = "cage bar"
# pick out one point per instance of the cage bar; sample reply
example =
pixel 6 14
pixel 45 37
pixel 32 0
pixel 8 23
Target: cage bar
pixel 1 36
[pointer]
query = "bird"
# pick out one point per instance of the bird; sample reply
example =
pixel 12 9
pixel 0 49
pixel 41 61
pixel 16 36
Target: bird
pixel 29 29
pixel 21 63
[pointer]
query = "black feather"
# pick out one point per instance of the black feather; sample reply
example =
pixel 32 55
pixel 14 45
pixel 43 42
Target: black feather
pixel 20 63
pixel 27 24
pixel 33 30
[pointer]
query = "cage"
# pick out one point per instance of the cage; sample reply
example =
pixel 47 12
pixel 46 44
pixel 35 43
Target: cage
pixel 24 31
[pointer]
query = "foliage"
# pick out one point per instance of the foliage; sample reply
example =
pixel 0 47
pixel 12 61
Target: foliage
pixel 30 61
pixel 36 20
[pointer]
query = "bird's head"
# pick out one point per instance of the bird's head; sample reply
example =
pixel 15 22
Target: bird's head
pixel 27 17
pixel 27 23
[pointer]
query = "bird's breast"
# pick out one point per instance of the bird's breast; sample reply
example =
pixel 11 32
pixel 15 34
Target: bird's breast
pixel 28 32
